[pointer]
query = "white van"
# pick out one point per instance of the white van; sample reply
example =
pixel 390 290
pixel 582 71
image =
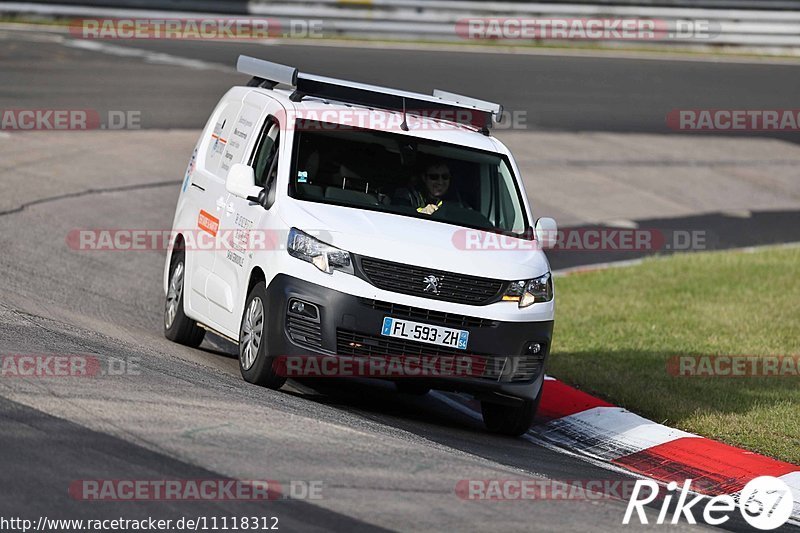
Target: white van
pixel 337 221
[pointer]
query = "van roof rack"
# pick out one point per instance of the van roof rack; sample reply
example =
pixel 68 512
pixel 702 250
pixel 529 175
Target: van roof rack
pixel 441 105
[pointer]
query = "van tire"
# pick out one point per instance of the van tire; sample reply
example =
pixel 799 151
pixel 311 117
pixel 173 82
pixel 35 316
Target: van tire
pixel 414 389
pixel 513 420
pixel 177 326
pixel 257 365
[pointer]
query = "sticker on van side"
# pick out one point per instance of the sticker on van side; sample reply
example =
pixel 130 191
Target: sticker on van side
pixel 218 142
pixel 190 170
pixel 219 137
pixel 208 223
pixel 237 138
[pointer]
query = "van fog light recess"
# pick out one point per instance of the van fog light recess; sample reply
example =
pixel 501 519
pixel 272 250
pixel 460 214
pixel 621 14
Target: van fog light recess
pixel 527 366
pixel 533 348
pixel 302 323
pixel 303 309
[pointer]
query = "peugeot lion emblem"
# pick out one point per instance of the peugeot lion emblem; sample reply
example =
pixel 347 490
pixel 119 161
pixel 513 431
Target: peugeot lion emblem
pixel 432 284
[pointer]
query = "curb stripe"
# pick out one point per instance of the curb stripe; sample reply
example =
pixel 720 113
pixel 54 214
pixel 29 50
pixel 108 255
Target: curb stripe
pixel 793 480
pixel 716 468
pixel 559 400
pixel 581 423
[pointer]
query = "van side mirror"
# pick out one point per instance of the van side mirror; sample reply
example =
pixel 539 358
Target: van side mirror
pixel 241 182
pixel 546 232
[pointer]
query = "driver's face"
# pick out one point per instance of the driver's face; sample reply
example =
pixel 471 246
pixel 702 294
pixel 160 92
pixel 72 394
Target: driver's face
pixel 437 180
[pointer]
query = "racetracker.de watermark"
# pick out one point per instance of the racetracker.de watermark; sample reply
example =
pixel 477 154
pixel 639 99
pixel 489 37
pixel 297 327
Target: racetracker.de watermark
pixel 396 366
pixel 208 237
pixel 195 28
pixel 68 120
pixel 149 523
pixel 585 29
pixel 132 490
pixel 434 118
pixel 734 120
pixel 593 239
pixel 544 489
pixel 48 366
pixel 734 366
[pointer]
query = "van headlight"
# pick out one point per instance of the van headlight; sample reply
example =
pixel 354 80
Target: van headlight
pixel 323 256
pixel 529 292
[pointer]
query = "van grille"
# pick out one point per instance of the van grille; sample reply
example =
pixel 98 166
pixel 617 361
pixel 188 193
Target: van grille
pixel 434 317
pixel 410 279
pixel 303 331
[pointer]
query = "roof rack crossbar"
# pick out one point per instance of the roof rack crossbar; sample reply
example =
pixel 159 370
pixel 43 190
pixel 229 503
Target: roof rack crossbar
pixel 441 105
pixel 495 109
pixel 391 99
pixel 275 73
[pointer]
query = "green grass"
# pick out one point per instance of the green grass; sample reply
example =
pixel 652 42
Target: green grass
pixel 616 328
pixel 35 20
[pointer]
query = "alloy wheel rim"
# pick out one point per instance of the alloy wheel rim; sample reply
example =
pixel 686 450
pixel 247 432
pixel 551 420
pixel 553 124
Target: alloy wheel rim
pixel 252 333
pixel 174 293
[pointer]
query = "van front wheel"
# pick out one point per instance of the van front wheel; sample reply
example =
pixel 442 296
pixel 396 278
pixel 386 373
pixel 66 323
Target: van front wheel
pixel 255 363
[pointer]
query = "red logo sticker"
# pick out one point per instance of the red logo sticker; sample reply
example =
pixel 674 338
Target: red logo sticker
pixel 208 223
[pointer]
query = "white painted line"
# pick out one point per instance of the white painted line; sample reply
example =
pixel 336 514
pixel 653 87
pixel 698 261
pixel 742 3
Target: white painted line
pixel 741 213
pixel 147 55
pixel 456 405
pixel 621 223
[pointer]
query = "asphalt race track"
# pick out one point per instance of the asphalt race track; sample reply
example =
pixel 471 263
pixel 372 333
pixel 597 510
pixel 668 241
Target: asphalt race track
pixel 385 460
pixel 557 93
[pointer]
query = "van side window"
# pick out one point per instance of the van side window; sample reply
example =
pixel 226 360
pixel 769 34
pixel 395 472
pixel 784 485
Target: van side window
pixel 265 160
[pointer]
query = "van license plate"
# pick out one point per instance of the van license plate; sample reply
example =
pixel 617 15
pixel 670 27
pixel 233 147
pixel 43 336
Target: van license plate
pixel 416 331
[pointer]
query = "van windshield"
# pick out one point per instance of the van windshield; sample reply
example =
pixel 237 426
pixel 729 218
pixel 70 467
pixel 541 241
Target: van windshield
pixel 404 175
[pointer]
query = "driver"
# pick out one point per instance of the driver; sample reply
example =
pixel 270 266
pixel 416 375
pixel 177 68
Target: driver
pixel 435 184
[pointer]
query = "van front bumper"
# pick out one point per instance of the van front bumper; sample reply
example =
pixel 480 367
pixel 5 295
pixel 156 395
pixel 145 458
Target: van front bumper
pixel 508 357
